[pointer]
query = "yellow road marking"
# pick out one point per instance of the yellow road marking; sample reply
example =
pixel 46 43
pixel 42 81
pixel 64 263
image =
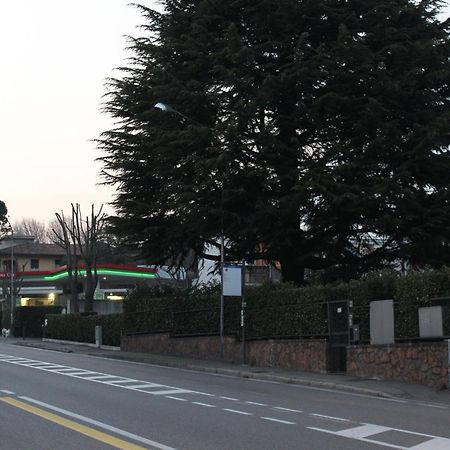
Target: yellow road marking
pixel 83 429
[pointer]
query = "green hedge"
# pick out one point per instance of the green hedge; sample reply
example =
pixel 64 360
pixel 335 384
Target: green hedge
pixel 282 310
pixel 81 328
pixel 28 320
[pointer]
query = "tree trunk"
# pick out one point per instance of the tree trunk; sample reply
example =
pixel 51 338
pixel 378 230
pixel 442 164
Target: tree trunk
pixel 89 289
pixel 73 291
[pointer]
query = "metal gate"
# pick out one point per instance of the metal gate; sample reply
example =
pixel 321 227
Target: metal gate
pixel 339 323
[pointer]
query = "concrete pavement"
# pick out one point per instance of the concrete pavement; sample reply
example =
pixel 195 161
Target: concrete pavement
pixel 340 382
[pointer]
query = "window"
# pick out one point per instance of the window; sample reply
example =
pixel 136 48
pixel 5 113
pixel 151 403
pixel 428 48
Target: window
pixel 58 262
pixel 34 264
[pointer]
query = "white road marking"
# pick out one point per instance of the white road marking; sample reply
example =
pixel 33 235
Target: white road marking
pixel 51 366
pixel 176 398
pixel 5 391
pixel 272 419
pixel 80 373
pixel 144 386
pixel 204 404
pixel 229 398
pixel 365 431
pixel 436 443
pixel 256 403
pixel 31 364
pixel 279 408
pixel 362 431
pixel 238 412
pixel 121 381
pixel 169 392
pixel 102 378
pixel 339 419
pixel 98 424
pixel 429 405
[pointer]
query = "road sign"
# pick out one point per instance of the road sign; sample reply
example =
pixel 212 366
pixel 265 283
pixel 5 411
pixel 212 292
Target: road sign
pixel 232 280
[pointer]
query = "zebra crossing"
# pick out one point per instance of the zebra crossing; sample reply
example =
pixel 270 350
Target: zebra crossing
pixel 97 377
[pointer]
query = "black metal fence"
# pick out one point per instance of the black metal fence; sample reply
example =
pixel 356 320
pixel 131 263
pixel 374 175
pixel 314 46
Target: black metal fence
pixel 303 321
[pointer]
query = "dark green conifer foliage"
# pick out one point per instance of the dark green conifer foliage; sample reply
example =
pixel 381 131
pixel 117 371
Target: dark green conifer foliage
pixel 316 128
pixel 3 217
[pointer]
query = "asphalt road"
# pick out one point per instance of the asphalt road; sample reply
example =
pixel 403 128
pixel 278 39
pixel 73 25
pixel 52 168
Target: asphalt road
pixel 53 400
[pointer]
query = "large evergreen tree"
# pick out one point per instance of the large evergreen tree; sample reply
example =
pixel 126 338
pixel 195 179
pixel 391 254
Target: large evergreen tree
pixel 316 133
pixel 3 217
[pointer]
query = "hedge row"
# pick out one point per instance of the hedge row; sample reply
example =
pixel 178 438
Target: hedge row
pixel 81 328
pixel 282 310
pixel 28 320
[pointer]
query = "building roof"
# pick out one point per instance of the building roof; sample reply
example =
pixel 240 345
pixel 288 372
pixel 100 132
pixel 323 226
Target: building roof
pixel 35 249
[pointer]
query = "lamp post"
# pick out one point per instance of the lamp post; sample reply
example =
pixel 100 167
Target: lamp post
pixel 167 108
pixel 12 296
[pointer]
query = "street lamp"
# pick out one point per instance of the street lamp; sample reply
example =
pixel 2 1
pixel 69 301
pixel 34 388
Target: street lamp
pixel 12 296
pixel 167 108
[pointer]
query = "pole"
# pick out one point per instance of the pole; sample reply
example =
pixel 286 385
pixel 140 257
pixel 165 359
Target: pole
pixel 243 305
pixel 222 267
pixel 12 280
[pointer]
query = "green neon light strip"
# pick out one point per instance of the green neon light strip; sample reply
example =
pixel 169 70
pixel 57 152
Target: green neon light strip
pixel 60 275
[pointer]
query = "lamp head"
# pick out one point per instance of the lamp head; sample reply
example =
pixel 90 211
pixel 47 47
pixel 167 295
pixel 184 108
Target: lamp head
pixel 163 107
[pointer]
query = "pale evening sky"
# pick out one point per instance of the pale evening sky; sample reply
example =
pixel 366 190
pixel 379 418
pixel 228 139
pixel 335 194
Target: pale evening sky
pixel 55 57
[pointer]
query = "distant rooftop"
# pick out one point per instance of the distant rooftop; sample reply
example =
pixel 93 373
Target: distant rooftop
pixel 35 249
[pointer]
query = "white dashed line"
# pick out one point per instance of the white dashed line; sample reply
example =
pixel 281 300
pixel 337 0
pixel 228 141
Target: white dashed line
pixel 238 412
pixel 279 408
pixel 204 404
pixel 286 422
pixel 256 403
pixel 229 398
pixel 176 398
pixel 322 416
pixel 433 406
pixel 5 391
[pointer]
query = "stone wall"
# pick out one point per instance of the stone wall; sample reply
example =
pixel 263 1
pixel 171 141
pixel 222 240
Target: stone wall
pixel 418 363
pixel 307 355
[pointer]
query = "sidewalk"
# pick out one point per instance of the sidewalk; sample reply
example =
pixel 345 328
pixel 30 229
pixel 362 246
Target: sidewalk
pixel 339 382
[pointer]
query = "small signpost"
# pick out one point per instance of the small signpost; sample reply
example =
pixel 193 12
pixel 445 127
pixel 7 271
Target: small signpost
pixel 233 282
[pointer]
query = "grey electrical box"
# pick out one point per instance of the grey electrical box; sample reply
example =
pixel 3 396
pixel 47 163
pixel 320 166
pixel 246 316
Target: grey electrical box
pixel 430 321
pixel 382 322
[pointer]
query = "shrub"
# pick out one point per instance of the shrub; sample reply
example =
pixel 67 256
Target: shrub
pixel 28 320
pixel 78 328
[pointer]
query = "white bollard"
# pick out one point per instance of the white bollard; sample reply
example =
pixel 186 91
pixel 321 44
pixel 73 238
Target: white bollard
pixel 98 336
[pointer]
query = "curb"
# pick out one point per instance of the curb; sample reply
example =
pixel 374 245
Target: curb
pixel 85 344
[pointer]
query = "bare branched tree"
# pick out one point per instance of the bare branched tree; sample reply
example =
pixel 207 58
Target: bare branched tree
pixel 63 235
pixel 80 236
pixel 33 227
pixel 87 232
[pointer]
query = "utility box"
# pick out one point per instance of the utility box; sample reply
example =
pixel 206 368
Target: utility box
pixel 430 322
pixel 382 322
